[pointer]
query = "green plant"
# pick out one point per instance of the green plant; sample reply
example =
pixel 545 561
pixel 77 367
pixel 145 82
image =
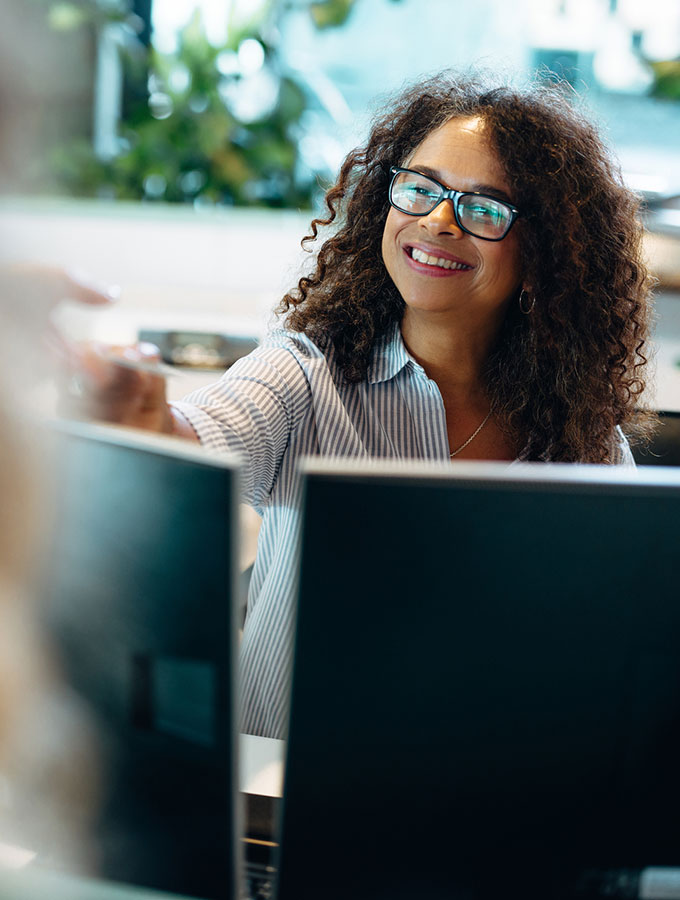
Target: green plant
pixel 180 140
pixel 331 13
pixel 666 79
pixel 192 129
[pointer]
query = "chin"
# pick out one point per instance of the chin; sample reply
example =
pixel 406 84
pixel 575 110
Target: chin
pixel 432 306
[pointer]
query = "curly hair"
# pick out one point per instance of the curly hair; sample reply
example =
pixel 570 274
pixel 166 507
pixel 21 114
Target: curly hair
pixel 562 378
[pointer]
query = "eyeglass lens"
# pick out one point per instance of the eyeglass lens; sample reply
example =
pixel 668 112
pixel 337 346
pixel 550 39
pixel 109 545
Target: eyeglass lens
pixel 482 216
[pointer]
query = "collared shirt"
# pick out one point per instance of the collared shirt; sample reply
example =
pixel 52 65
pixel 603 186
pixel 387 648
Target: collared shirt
pixel 286 400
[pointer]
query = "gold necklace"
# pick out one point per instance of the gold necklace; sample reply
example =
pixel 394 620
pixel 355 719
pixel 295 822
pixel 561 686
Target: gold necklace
pixel 473 435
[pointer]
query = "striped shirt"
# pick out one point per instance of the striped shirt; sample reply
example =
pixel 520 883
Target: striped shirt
pixel 289 399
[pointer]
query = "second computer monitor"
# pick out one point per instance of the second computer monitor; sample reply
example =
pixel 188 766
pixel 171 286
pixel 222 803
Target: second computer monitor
pixel 486 688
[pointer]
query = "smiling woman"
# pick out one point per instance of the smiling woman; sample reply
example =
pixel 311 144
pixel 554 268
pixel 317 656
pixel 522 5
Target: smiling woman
pixel 481 296
pixel 549 306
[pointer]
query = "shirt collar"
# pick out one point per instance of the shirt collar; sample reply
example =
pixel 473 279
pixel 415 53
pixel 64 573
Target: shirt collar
pixel 389 356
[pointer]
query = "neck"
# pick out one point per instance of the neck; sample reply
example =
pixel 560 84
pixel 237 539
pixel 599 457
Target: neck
pixel 452 354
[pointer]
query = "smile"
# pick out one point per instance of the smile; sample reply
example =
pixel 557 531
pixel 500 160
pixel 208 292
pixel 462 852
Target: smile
pixel 437 265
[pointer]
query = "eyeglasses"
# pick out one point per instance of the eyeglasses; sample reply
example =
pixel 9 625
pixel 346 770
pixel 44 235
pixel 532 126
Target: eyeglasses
pixel 481 216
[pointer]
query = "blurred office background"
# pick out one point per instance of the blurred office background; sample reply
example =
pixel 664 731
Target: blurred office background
pixel 179 147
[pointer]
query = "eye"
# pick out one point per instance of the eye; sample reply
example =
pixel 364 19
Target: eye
pixel 414 193
pixel 485 210
pixel 419 190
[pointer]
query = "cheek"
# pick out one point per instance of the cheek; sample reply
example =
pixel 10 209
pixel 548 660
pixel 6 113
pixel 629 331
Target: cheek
pixel 506 262
pixel 383 245
pixel 389 247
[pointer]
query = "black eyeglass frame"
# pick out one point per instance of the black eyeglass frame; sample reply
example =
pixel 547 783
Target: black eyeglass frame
pixel 454 197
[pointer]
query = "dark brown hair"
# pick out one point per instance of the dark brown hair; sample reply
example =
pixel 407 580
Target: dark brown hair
pixel 562 378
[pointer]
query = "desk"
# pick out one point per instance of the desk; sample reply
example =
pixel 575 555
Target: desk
pixel 261 765
pixel 261 783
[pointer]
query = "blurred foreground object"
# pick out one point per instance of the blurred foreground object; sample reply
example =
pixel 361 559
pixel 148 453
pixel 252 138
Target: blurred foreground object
pixel 45 93
pixel 48 770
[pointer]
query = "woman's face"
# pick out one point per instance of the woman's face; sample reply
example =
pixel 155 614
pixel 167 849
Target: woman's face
pixel 459 156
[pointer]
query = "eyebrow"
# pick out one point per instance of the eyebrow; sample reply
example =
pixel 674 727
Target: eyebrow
pixel 479 187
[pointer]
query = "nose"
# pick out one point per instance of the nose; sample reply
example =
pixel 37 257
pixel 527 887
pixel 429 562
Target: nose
pixel 442 220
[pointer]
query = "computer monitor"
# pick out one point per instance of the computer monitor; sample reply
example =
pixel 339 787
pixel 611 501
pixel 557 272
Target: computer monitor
pixel 138 595
pixel 664 447
pixel 486 685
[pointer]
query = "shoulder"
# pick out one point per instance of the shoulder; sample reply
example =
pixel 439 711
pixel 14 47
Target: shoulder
pixel 278 341
pixel 290 365
pixel 622 455
pixel 280 351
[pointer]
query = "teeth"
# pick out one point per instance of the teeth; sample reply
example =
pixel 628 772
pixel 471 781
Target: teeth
pixel 428 260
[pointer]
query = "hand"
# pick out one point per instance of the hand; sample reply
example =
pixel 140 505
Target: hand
pixel 29 292
pixel 103 383
pixel 92 384
pixel 28 295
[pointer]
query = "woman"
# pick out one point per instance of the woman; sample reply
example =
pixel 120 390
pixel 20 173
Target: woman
pixel 482 296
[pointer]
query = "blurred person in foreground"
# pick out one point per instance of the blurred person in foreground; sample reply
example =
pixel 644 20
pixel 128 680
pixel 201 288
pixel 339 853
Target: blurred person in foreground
pixel 48 767
pixel 481 295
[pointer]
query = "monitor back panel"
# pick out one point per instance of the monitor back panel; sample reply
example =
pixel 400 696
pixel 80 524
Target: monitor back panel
pixel 138 597
pixel 486 693
pixel 664 448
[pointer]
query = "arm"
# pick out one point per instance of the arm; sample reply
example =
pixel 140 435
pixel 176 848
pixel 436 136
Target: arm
pixel 253 411
pixel 180 426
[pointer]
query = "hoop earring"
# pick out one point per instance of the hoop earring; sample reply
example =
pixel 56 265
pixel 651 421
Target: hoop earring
pixel 523 307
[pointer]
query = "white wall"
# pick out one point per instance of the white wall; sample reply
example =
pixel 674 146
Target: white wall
pixel 178 269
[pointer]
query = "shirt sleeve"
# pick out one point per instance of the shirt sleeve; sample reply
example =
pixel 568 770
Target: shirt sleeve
pixel 252 412
pixel 622 455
